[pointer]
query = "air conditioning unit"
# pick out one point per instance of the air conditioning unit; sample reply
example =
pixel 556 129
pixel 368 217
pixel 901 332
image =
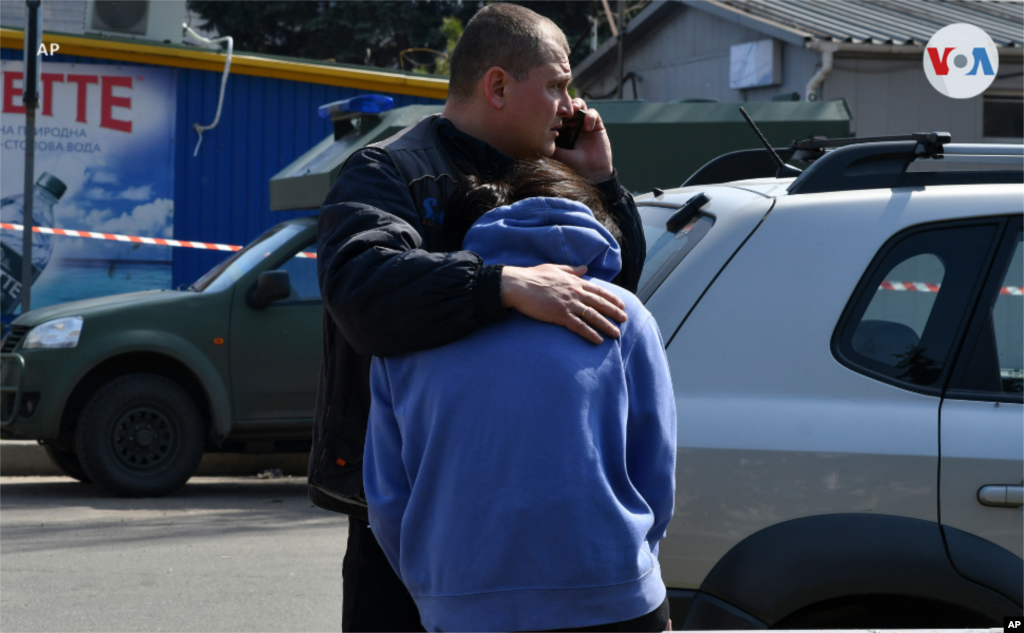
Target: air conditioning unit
pixel 156 20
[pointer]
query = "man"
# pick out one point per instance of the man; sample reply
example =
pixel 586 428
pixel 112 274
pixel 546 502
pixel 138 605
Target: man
pixel 391 283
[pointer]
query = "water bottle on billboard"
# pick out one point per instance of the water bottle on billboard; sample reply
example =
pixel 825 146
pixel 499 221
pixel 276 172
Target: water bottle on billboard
pixel 47 191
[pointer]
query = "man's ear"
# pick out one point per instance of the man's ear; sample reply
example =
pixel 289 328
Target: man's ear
pixel 495 84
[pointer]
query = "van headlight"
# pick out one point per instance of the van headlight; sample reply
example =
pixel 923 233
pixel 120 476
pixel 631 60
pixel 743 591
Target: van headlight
pixel 55 334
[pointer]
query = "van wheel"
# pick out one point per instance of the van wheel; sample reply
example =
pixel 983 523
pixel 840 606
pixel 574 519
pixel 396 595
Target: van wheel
pixel 67 463
pixel 140 435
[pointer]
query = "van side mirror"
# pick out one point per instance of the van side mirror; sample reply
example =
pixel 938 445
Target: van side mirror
pixel 271 286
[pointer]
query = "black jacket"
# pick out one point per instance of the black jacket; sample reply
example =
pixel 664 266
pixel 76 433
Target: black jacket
pixel 389 287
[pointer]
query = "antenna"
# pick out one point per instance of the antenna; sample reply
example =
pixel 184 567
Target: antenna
pixel 784 171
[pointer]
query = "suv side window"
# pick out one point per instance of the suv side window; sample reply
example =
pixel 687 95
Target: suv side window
pixel 1008 322
pixel 301 269
pixel 991 365
pixel 904 318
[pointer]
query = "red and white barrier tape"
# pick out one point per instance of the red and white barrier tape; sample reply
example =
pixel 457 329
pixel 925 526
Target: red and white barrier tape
pixel 159 241
pixel 917 286
pixel 913 286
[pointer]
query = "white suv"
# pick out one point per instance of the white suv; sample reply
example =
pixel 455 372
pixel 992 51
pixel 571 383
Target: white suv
pixel 847 354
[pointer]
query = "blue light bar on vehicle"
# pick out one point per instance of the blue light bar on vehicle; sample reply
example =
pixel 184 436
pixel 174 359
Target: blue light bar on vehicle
pixel 363 104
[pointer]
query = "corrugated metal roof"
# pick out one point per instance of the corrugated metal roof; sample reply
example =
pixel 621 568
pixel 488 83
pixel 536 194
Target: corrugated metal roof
pixel 884 23
pixel 899 22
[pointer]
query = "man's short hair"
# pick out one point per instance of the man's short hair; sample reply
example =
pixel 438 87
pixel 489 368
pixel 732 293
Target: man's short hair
pixel 504 35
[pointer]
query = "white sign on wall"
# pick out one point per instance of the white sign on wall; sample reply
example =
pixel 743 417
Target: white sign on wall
pixel 755 64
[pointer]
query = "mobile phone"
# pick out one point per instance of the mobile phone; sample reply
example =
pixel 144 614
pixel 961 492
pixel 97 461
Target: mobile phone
pixel 570 130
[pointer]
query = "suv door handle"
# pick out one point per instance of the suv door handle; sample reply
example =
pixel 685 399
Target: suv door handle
pixel 1001 496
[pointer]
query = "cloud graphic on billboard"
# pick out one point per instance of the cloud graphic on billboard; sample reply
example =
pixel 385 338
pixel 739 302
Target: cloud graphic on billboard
pixel 137 194
pixel 153 219
pixel 144 192
pixel 104 177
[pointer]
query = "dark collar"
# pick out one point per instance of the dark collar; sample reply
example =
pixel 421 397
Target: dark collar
pixel 470 154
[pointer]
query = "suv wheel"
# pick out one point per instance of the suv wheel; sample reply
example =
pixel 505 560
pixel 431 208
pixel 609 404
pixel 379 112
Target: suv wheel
pixel 883 612
pixel 67 462
pixel 140 435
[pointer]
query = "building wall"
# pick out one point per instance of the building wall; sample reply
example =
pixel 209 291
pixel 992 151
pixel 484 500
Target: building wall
pixel 687 57
pixel 892 96
pixel 62 16
pixel 68 16
pixel 223 195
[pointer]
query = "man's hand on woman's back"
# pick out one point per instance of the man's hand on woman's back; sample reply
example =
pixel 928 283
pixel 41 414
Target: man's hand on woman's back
pixel 558 294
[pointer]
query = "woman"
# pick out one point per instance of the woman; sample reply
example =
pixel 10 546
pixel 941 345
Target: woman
pixel 521 478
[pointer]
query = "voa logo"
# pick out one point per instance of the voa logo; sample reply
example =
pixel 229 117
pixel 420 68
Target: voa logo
pixel 961 61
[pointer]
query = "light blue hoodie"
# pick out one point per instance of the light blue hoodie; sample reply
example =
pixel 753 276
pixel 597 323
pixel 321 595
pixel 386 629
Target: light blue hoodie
pixel 521 477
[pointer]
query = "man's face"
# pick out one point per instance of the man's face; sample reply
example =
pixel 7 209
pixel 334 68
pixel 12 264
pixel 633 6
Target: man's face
pixel 534 108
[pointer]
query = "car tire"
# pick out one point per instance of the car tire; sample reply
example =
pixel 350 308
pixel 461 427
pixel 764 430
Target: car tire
pixel 140 435
pixel 67 463
pixel 883 612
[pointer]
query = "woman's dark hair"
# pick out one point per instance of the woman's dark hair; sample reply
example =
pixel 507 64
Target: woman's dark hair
pixel 531 178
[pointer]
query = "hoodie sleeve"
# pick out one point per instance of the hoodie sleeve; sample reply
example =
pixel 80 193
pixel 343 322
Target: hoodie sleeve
pixel 385 481
pixel 381 287
pixel 651 427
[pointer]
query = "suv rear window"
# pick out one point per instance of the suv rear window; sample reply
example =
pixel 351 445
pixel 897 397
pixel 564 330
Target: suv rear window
pixel 666 249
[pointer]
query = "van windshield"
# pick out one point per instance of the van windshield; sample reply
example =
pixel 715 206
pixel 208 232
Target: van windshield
pixel 232 269
pixel 666 249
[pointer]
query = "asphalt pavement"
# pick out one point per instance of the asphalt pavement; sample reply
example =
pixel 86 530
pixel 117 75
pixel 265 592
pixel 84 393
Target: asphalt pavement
pixel 221 554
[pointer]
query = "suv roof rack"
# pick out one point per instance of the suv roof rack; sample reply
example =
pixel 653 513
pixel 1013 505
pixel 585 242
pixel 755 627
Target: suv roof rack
pixel 882 164
pixel 846 164
pixel 814 148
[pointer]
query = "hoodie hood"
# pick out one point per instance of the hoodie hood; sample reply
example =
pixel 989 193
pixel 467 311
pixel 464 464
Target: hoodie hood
pixel 545 231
